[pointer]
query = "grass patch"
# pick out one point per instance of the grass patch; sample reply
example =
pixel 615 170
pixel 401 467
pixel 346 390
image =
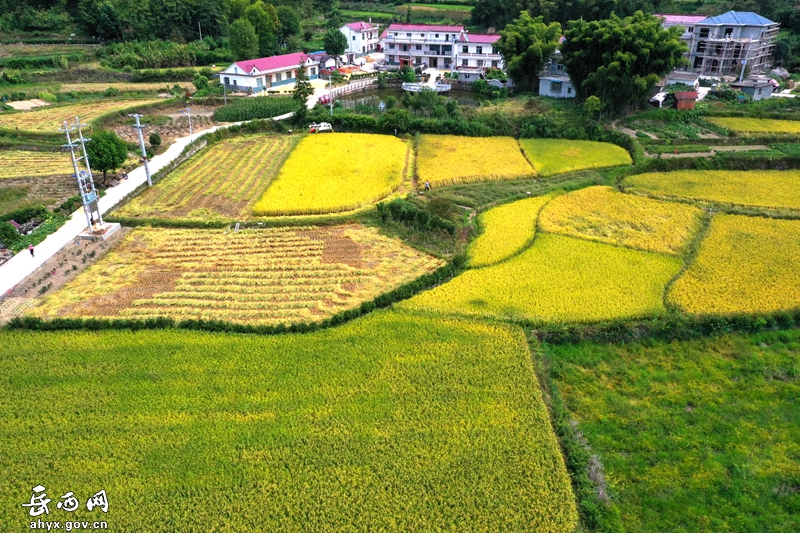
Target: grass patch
pixel 756 125
pixel 717 414
pixel 424 424
pixel 745 265
pixel 557 156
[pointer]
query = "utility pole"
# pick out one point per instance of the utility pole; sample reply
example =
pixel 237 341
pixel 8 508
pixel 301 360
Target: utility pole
pixel 330 91
pixel 188 113
pixel 86 163
pixel 200 30
pixel 86 189
pixel 139 127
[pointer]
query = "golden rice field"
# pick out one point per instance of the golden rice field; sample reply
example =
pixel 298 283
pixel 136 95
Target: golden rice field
pixel 23 164
pixel 269 276
pixel 558 279
pixel 331 173
pixel 757 125
pixel 124 87
pixel 49 119
pixel 744 265
pixel 557 156
pixel 757 188
pixel 220 182
pixel 450 159
pixel 604 214
pixel 506 230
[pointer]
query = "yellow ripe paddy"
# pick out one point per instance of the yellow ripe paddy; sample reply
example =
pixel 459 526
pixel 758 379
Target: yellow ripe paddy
pixel 557 156
pixel 558 279
pixel 745 265
pixel 49 119
pixel 757 125
pixel 604 214
pixel 506 230
pixel 449 159
pixel 23 164
pixel 331 173
pixel 271 276
pixel 222 181
pixel 757 188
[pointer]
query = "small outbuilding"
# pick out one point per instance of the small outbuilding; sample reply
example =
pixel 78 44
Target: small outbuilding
pixel 757 89
pixel 685 99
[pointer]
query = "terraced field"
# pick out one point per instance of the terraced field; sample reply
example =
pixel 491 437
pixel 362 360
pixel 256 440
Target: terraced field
pixel 557 156
pixel 254 276
pixel 220 183
pixel 49 119
pixel 757 125
pixel 25 164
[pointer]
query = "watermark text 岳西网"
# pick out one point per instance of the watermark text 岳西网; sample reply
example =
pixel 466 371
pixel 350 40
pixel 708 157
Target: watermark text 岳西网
pixel 68 503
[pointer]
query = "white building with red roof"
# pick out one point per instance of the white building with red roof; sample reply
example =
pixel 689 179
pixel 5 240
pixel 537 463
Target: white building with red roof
pixel 255 75
pixel 440 46
pixel 362 38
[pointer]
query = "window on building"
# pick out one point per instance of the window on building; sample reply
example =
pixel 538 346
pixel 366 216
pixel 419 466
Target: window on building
pixel 466 76
pixel 479 50
pixel 703 33
pixel 569 90
pixel 363 49
pixel 701 47
pixel 728 32
pixel 408 35
pixel 391 46
pixel 391 59
pixel 417 47
pixel 422 35
pixel 362 36
pixel 278 76
pixel 437 35
pixel 494 64
pixel 227 80
pixel 465 49
pixel 354 37
pixel 555 87
pixel 313 71
pixel 395 34
pixel 259 82
pixel 464 62
pixel 690 29
pixel 480 63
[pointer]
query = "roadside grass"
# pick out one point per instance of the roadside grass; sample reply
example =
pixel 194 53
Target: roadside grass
pixel 694 436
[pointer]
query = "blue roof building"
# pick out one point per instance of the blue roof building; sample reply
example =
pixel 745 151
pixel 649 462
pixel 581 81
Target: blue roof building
pixel 725 44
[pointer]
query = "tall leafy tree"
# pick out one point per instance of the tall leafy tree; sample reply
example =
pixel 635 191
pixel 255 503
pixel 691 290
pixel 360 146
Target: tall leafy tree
pixel 264 18
pixel 526 45
pixel 335 43
pixel 301 92
pixel 290 22
pixel 242 40
pixel 107 152
pixel 620 60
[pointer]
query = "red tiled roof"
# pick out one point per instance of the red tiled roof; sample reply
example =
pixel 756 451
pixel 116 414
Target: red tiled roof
pixel 681 19
pixel 425 27
pixel 271 63
pixel 357 26
pixel 686 95
pixel 487 38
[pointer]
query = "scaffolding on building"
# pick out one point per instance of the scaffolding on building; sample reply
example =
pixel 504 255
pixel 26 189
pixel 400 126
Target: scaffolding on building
pixel 724 56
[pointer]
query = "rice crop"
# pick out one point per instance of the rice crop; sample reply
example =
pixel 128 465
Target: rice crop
pixel 450 159
pixel 49 119
pixel 604 214
pixel 256 107
pixel 506 230
pixel 390 422
pixel 758 188
pixel 557 156
pixel 22 164
pixel 330 173
pixel 268 276
pixel 221 182
pixel 744 265
pixel 558 279
pixel 756 125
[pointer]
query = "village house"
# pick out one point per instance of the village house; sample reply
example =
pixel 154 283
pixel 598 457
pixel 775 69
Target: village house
pixel 362 38
pixel 255 75
pixel 756 89
pixel 554 80
pixel 441 47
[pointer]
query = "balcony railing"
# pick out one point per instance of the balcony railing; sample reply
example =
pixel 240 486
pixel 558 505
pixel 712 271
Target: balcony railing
pixel 413 40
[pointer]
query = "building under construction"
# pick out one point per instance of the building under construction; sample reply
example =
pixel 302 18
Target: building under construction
pixel 722 45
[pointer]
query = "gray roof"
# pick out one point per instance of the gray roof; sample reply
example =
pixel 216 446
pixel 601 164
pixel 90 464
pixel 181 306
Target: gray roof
pixel 737 18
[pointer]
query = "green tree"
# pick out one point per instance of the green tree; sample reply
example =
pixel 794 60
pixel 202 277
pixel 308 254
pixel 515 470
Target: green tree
pixel 290 23
pixel 620 60
pixel 526 45
pixel 591 106
pixel 107 152
pixel 335 43
pixel 264 18
pixel 335 19
pixel 200 82
pixel 242 40
pixel 301 92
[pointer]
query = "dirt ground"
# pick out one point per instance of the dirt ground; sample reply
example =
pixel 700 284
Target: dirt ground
pixel 60 269
pixel 52 190
pixel 27 105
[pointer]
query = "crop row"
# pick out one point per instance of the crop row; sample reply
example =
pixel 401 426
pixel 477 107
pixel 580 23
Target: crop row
pixel 49 119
